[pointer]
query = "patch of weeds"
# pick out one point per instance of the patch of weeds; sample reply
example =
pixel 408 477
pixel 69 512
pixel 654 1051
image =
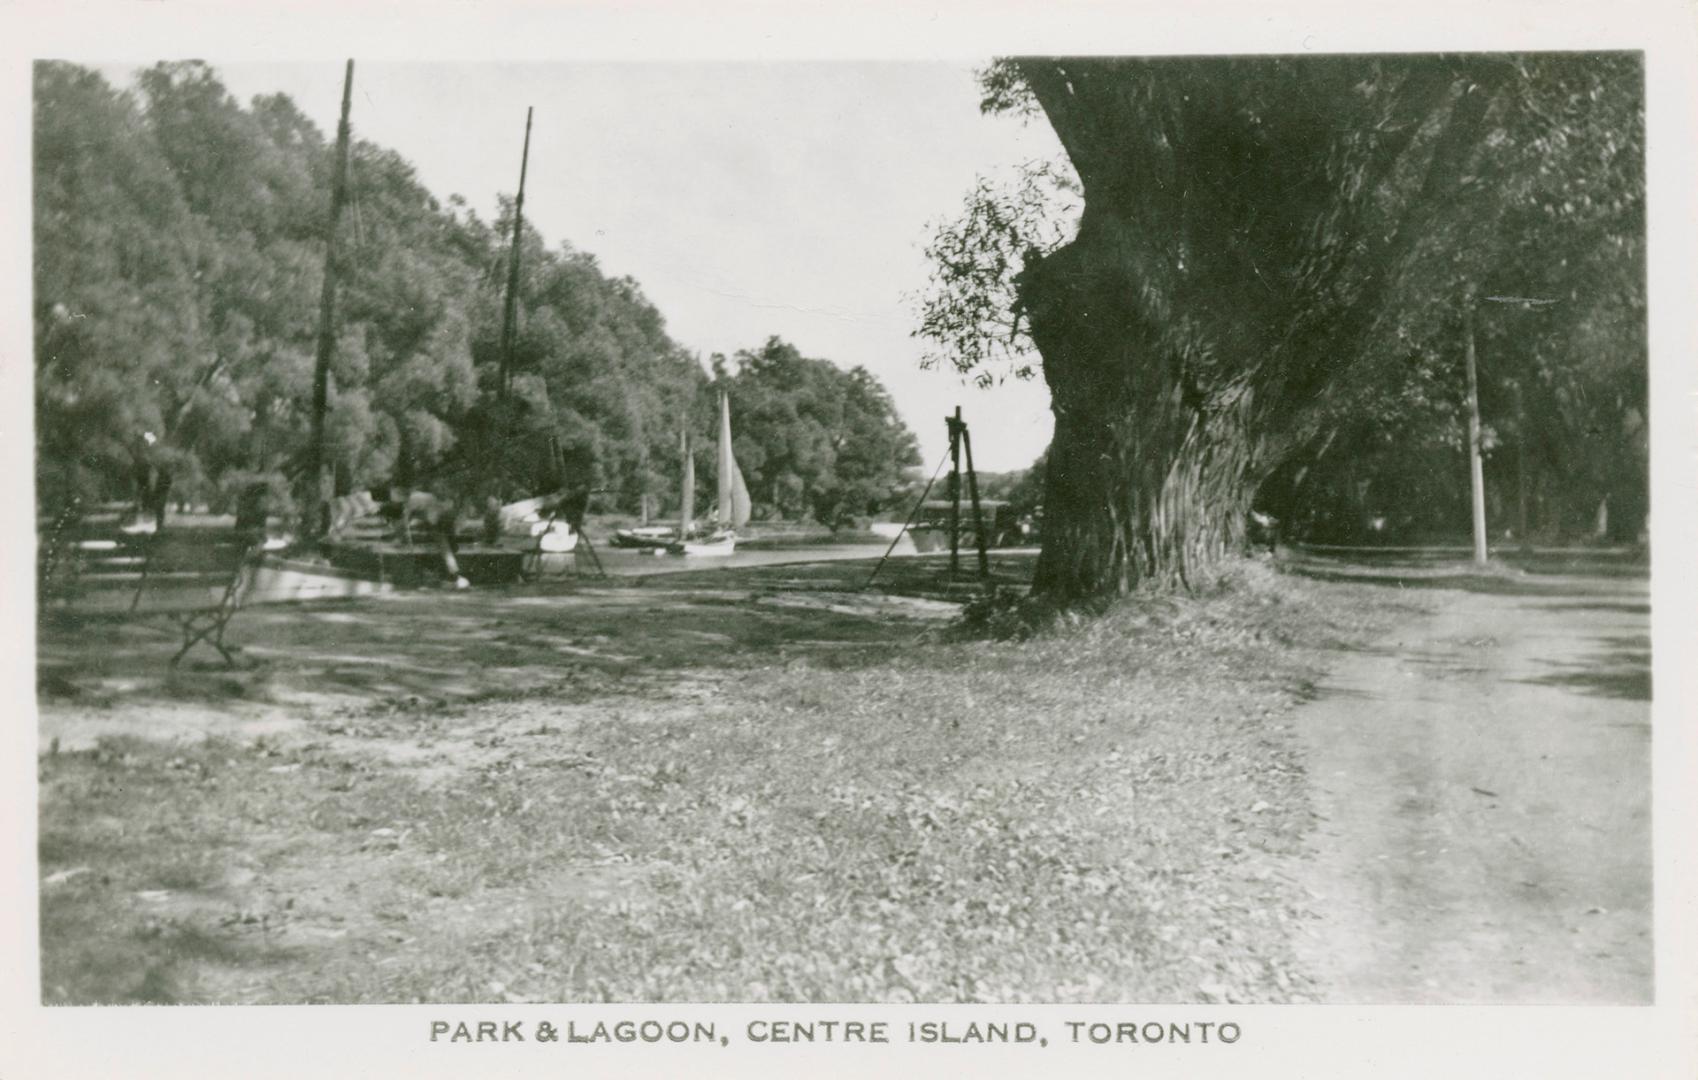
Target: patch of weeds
pixel 140 841
pixel 220 684
pixel 1003 615
pixel 581 683
pixel 402 705
pixel 186 871
pixel 62 686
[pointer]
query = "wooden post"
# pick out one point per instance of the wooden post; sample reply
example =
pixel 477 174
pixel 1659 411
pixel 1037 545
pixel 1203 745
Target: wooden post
pixel 509 308
pixel 1476 471
pixel 316 511
pixel 978 515
pixel 954 423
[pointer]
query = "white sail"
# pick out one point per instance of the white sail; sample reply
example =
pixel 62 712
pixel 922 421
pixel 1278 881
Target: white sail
pixel 733 511
pixel 687 495
pixel 740 505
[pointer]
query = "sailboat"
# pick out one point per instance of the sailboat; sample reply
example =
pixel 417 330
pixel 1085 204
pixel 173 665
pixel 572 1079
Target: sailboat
pixel 656 539
pixel 732 511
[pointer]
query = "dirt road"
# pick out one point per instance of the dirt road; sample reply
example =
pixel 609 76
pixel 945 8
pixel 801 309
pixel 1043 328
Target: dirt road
pixel 1483 778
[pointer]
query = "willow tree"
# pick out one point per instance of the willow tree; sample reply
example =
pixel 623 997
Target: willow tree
pixel 1251 231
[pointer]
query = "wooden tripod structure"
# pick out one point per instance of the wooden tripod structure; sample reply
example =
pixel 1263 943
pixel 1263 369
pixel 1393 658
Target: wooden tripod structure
pixel 961 443
pixel 960 446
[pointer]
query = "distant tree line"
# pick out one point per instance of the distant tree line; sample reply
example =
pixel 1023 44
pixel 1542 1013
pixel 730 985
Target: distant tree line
pixel 179 255
pixel 812 439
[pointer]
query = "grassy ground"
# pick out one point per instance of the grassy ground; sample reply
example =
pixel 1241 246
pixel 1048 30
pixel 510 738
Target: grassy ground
pixel 746 786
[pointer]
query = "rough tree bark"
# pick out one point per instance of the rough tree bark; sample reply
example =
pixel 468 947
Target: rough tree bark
pixel 1189 328
pixel 1147 478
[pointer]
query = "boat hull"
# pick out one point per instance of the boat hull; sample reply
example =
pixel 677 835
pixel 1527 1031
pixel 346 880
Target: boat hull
pixel 708 547
pixel 644 539
pixel 557 539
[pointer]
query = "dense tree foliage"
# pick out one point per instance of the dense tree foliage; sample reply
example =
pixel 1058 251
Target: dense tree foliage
pixel 118 313
pixel 813 439
pixel 1023 491
pixel 179 257
pixel 1546 262
pixel 1271 270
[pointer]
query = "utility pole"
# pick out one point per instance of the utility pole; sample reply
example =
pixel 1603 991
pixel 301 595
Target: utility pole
pixel 510 307
pixel 1476 471
pixel 317 509
pixel 1522 479
pixel 1523 475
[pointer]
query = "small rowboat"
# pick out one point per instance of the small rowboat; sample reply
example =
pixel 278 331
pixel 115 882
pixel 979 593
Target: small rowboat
pixel 645 537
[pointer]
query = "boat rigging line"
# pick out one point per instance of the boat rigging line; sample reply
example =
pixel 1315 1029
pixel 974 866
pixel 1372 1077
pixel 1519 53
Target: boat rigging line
pixel 912 514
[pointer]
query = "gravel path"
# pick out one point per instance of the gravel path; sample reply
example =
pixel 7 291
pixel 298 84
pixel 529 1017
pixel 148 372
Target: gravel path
pixel 1483 778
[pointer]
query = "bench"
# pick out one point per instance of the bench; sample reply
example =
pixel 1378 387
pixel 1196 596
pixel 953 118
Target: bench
pixel 195 579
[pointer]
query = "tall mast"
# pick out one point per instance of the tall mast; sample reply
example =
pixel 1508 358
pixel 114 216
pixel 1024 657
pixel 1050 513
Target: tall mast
pixel 317 503
pixel 687 490
pixel 510 308
pixel 723 513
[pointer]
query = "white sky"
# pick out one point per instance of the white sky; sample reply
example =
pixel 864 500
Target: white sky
pixel 747 199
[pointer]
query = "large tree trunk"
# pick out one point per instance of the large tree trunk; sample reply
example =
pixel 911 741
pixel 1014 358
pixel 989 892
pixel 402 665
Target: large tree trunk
pixel 1232 260
pixel 1147 479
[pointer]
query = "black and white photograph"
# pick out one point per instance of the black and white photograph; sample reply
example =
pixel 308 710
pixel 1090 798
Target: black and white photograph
pixel 887 543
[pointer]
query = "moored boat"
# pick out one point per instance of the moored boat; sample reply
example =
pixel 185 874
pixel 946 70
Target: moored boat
pixel 538 519
pixel 732 511
pixel 645 537
pixel 716 543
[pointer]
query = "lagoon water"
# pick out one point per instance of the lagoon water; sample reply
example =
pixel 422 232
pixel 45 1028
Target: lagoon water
pixel 627 563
